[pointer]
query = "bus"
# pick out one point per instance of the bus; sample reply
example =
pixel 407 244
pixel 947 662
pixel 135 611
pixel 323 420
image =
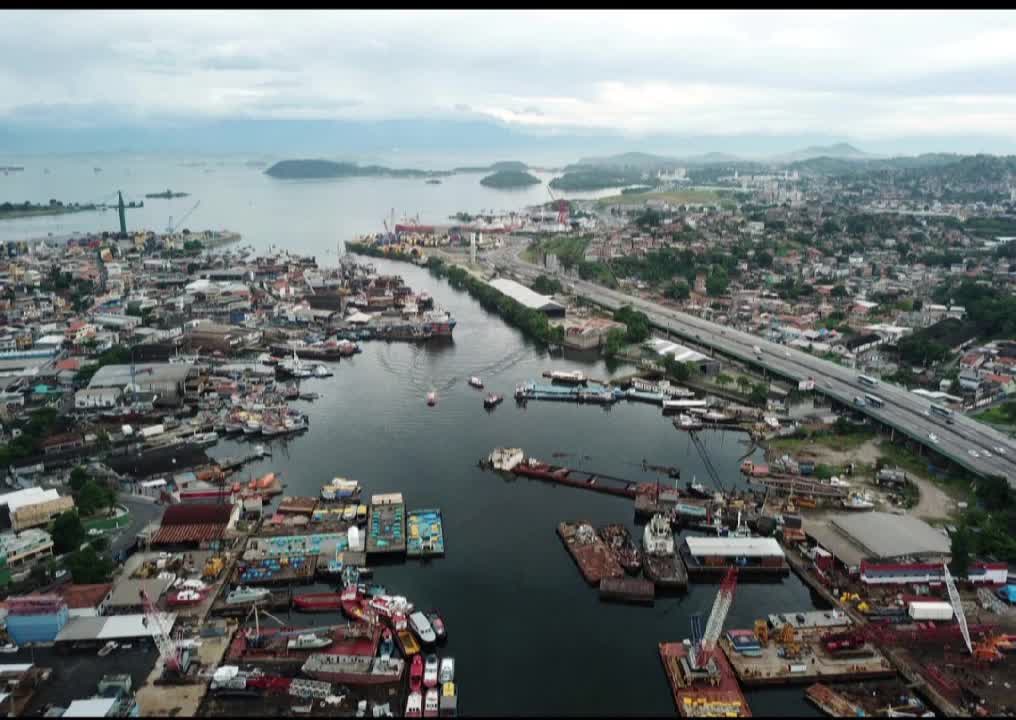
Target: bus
pixel 942 412
pixel 865 380
pixel 873 401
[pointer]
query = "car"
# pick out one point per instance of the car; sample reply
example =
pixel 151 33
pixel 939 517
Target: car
pixel 787 353
pixel 973 453
pixel 933 437
pixel 1000 450
pixel 985 453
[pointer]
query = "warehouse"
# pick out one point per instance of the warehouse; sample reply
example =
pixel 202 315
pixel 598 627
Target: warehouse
pixel 172 382
pixel 878 536
pixel 527 298
pixel 195 525
pixel 668 348
pixel 752 556
pixel 99 630
pixel 31 507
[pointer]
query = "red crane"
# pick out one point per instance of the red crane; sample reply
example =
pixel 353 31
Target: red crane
pixel 703 651
pixel 562 208
pixel 168 650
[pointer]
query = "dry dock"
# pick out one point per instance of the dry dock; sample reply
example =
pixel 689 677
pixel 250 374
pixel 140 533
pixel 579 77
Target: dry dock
pixel 831 702
pixel 697 699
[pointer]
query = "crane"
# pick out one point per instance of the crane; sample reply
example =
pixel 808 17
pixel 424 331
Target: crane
pixel 170 228
pixel 562 208
pixel 169 651
pixel 702 651
pixel 954 599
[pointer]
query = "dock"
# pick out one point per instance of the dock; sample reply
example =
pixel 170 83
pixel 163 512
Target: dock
pixel 272 649
pixel 275 601
pixel 297 569
pixel 590 553
pixel 596 482
pixel 426 533
pixel 697 698
pixel 386 524
pixel 628 590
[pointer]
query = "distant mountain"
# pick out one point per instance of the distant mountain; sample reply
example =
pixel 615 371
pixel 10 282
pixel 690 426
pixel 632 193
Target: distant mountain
pixel 503 166
pixel 320 169
pixel 839 151
pixel 510 179
pixel 627 161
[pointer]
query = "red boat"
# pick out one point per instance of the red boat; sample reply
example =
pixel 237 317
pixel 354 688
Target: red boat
pixel 536 469
pixel 319 602
pixel 416 674
pixel 352 602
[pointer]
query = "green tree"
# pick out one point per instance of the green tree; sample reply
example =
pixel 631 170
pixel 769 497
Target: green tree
pixel 759 394
pixel 960 551
pixel 68 532
pixel 764 259
pixel 717 281
pixel 743 384
pixel 87 566
pixel 723 380
pixel 78 479
pixel 614 342
pixel 678 290
pixel 838 291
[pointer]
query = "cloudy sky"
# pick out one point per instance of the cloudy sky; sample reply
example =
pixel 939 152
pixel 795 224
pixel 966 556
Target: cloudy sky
pixel 863 75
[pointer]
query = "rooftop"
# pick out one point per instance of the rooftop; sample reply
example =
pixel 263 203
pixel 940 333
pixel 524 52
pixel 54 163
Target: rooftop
pixel 119 375
pixel 525 296
pixel 733 546
pixel 884 535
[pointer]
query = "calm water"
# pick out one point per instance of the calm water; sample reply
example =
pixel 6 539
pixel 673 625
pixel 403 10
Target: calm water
pixel 529 636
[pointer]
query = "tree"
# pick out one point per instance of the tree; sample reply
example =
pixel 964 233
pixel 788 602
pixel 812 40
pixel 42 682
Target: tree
pixel 759 394
pixel 723 379
pixel 743 384
pixel 717 281
pixel 838 291
pixel 960 551
pixel 68 532
pixel 764 259
pixel 78 479
pixel 87 566
pixel 614 342
pixel 678 290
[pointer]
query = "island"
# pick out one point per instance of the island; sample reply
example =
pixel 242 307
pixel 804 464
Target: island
pixel 505 179
pixel 167 195
pixel 595 178
pixel 433 181
pixel 9 210
pixel 324 169
pixel 495 167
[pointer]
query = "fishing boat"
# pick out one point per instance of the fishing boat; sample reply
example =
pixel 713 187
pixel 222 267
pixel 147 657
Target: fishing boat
pixel 430 669
pixel 430 703
pixel 432 398
pixel 438 624
pixel 493 400
pixel 623 547
pixel 387 643
pixel 407 642
pixel 414 705
pixel 476 382
pixel 447 672
pixel 308 641
pixel 416 674
pixel 658 536
pixel 420 625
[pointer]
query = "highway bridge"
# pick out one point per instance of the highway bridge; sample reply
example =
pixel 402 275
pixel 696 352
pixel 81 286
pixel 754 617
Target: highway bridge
pixel 974 446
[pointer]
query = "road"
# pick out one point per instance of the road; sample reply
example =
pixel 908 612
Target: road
pixel 142 513
pixel 902 410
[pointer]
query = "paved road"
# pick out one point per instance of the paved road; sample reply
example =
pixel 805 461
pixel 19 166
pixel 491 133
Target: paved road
pixel 142 513
pixel 902 410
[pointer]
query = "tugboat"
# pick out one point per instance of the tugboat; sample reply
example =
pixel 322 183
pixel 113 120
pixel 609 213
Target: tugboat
pixel 476 382
pixel 492 401
pixel 309 641
pixel 432 398
pixel 662 565
pixel 621 544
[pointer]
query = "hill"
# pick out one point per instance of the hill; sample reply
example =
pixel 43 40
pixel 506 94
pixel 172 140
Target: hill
pixel 627 161
pixel 320 169
pixel 513 165
pixel 839 151
pixel 504 179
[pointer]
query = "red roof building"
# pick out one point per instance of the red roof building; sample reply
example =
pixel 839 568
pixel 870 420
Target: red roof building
pixel 191 523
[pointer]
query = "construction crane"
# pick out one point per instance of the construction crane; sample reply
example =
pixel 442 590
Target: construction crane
pixel 171 228
pixel 954 599
pixel 714 475
pixel 169 651
pixel 701 654
pixel 562 208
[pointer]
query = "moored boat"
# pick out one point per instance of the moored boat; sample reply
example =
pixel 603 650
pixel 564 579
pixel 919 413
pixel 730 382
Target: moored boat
pixel 493 400
pixel 416 673
pixel 476 382
pixel 621 544
pixel 308 641
pixel 437 623
pixel 430 703
pixel 430 670
pixel 244 594
pixel 420 625
pixel 414 705
pixel 432 398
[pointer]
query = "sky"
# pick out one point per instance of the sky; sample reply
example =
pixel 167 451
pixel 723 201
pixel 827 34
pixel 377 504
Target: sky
pixel 867 76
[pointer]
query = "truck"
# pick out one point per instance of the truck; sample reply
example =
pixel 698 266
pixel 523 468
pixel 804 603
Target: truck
pixel 929 610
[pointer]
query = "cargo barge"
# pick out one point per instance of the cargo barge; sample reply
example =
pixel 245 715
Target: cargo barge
pixel 594 559
pixel 386 524
pixel 695 698
pixel 426 533
pixel 624 549
pixel 354 670
pixel 533 468
pixel 628 590
pixel 831 702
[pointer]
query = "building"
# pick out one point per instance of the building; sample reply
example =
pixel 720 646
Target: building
pixel 192 524
pixel 36 618
pixel 527 298
pixel 125 597
pixel 25 549
pixel 879 537
pixel 32 507
pixel 921 573
pixel 172 382
pixel 754 553
pixel 664 348
pixel 97 399
pixel 215 337
pixel 86 600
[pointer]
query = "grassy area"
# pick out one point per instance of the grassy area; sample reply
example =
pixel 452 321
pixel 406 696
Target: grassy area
pixel 677 197
pixel 955 486
pixel 569 248
pixel 840 443
pixel 107 523
pixel 1004 414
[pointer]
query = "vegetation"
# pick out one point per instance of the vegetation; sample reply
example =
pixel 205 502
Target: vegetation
pixel 1004 414
pixel 387 251
pixel 673 197
pixel 546 285
pixel 10 210
pixel 68 532
pixel 532 323
pixel 569 249
pixel 320 169
pixel 678 290
pixel 595 179
pixel 87 566
pixel 116 355
pixel 677 370
pixel 39 426
pixel 636 330
pixel 510 179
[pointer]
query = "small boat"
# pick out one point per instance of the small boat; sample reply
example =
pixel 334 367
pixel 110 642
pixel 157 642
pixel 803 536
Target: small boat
pixel 399 621
pixel 349 513
pixel 8 648
pixel 414 704
pixel 430 703
pixel 244 594
pixel 430 669
pixel 206 439
pixel 408 643
pixel 416 674
pixel 858 502
pixel 108 648
pixel 387 643
pixel 697 489
pixel 322 371
pixel 476 382
pixel 308 641
pixel 438 624
pixel 432 398
pixel 493 400
pixel 449 703
pixel 420 625
pixel 447 672
pixel 183 598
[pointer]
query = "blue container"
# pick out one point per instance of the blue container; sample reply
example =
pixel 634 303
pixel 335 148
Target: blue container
pixel 36 628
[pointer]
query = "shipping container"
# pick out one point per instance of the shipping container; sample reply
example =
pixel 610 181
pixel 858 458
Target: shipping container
pixel 930 610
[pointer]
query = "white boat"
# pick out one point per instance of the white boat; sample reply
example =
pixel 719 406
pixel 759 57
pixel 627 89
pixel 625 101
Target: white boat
pixel 476 382
pixel 420 625
pixel 576 377
pixel 308 641
pixel 687 422
pixel 108 648
pixel 430 670
pixel 430 703
pixel 506 458
pixel 446 673
pixel 244 594
pixel 414 704
pixel 322 371
pixel 7 648
pixel 432 398
pixel 205 439
pixel 857 501
pixel 658 537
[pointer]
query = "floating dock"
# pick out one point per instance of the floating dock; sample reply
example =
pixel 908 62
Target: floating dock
pixel 591 554
pixel 349 639
pixel 425 534
pixel 386 524
pixel 699 699
pixel 628 590
pixel 597 482
pixel 831 702
pixel 755 557
pixel 297 569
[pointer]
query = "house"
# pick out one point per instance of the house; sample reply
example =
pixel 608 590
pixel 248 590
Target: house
pixel 98 398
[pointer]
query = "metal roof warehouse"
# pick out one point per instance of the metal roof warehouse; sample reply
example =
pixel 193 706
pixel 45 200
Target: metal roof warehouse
pixel 526 297
pixel 878 536
pixel 734 547
pixel 117 627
